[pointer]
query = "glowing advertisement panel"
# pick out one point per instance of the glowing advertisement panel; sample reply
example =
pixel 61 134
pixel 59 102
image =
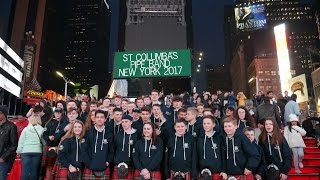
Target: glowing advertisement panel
pixel 250 17
pixel 9 86
pixel 11 53
pixel 283 56
pixel 298 86
pixel 10 68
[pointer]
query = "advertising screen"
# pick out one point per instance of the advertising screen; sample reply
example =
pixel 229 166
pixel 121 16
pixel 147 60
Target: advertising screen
pixel 250 17
pixel 146 64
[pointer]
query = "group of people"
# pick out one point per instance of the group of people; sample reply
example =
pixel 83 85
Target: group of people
pixel 150 139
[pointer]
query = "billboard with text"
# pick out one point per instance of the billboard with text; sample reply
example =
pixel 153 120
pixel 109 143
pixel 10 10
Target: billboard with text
pixel 250 17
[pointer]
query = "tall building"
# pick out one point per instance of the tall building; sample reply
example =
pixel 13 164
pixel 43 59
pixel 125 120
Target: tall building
pixel 155 25
pixel 216 76
pixel 86 42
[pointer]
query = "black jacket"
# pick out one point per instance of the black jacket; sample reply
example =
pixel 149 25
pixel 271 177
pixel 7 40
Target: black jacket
pixel 283 159
pixel 240 154
pixel 195 129
pixel 83 116
pixel 8 141
pixel 267 110
pixel 50 129
pixel 146 156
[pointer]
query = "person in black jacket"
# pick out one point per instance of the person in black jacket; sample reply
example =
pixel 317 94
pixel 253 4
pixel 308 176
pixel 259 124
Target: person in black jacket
pixel 267 110
pixel 8 142
pixel 242 158
pixel 84 110
pixel 114 125
pixel 194 126
pixel 99 149
pixel 244 119
pixel 182 153
pixel 275 147
pixel 210 150
pixel 71 152
pixel 123 146
pixel 260 171
pixel 147 154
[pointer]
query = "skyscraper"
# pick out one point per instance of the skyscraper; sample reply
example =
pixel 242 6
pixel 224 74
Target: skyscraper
pixel 86 42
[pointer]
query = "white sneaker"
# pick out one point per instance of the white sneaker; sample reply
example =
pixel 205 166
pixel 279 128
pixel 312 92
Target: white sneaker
pixel 300 165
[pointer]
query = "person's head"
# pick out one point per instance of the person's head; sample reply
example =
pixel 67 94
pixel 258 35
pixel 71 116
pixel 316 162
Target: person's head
pixel 43 103
pixel 286 94
pixel 111 108
pixel 249 132
pixel 271 128
pixel 117 101
pixel 200 108
pixel 20 118
pixel 93 105
pixel 3 113
pixel 58 113
pixel 208 123
pixel 182 113
pixel 92 116
pixel 71 104
pixel 117 114
pixel 154 95
pixel 136 112
pixel 208 112
pixel 294 97
pixel 149 132
pixel 124 104
pixel 72 114
pixel 84 106
pixel 100 118
pixel 126 122
pixel 61 104
pixel 270 94
pixel 180 126
pixel 294 120
pixel 147 100
pixel 192 114
pixel 139 102
pixel 145 114
pixel 156 110
pixel 242 113
pixel 230 111
pixel 78 129
pixel 177 102
pixel 131 106
pixel 106 102
pixel 35 120
pixel 38 110
pixel 198 99
pixel 229 126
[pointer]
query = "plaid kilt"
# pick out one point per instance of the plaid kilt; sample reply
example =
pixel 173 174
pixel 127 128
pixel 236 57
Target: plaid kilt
pixel 88 175
pixel 46 161
pixel 60 173
pixel 154 175
pixel 243 177
pixel 130 175
pixel 215 176
pixel 188 175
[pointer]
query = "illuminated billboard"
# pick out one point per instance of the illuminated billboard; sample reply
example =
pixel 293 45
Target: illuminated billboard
pixel 283 57
pixel 250 17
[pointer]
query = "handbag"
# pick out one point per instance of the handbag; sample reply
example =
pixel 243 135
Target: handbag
pixel 205 174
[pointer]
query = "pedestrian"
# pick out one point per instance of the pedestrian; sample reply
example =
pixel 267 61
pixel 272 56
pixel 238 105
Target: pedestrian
pixel 21 122
pixel 276 149
pixel 293 134
pixel 84 109
pixel 8 142
pixel 210 150
pixel 241 158
pixel 291 107
pixel 99 149
pixel 148 153
pixel 124 143
pixel 241 98
pixel 267 110
pixel 71 153
pixel 182 154
pixel 30 148
pixel 115 126
pixel 244 119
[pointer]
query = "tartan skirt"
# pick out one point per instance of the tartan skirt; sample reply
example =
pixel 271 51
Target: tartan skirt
pixel 130 175
pixel 88 175
pixel 243 177
pixel 215 176
pixel 187 174
pixel 60 173
pixel 154 175
pixel 46 161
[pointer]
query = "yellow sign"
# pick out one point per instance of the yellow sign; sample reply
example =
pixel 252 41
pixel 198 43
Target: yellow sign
pixel 35 93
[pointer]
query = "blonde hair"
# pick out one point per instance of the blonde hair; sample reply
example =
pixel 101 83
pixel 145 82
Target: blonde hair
pixel 34 120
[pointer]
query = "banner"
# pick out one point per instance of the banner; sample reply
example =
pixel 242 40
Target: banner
pixel 166 63
pixel 250 17
pixel 298 86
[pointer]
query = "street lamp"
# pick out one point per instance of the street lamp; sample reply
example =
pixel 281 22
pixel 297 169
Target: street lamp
pixel 66 80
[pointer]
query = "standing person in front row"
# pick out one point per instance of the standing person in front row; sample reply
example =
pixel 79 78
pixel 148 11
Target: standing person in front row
pixel 242 158
pixel 99 149
pixel 30 148
pixel 210 150
pixel 293 134
pixel 147 154
pixel 275 147
pixel 182 153
pixel 71 153
pixel 124 143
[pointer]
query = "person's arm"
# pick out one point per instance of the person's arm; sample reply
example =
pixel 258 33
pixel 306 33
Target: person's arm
pixel 296 109
pixel 30 112
pixel 13 143
pixel 252 154
pixel 300 130
pixel 286 153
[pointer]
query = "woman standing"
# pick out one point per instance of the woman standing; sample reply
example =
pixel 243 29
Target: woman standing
pixel 244 119
pixel 275 147
pixel 148 154
pixel 71 153
pixel 30 148
pixel 91 120
pixel 293 134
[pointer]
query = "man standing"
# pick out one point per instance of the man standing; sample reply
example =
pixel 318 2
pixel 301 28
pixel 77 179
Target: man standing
pixel 8 142
pixel 291 107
